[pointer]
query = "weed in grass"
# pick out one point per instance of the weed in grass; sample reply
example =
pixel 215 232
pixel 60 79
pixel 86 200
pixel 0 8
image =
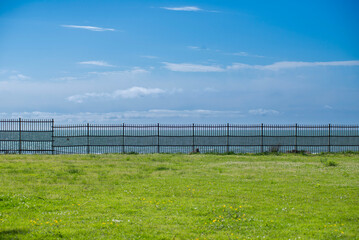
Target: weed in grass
pixel 328 163
pixel 162 168
pixel 74 171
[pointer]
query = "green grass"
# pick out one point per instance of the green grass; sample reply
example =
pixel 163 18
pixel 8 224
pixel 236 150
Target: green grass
pixel 174 196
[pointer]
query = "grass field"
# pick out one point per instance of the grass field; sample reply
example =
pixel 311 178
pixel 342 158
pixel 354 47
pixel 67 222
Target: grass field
pixel 174 196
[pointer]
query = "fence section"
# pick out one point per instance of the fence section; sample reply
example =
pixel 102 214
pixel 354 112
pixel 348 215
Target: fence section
pixel 43 136
pixel 26 136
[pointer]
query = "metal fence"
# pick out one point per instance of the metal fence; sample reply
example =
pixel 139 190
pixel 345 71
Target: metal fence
pixel 21 136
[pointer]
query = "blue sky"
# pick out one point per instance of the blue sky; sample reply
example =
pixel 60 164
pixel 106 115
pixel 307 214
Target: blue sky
pixel 180 61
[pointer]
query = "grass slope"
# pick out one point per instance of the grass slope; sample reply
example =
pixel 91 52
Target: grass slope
pixel 170 196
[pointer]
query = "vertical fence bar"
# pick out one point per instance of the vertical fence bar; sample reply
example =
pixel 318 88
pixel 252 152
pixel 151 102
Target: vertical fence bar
pixel 193 137
pixel 123 137
pixel 262 138
pixel 329 137
pixel 227 137
pixel 88 138
pixel 158 138
pixel 296 138
pixel 20 136
pixel 52 137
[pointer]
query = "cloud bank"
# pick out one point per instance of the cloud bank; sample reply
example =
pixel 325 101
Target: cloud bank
pixel 133 92
pixel 189 67
pixel 287 65
pixel 262 112
pixel 119 117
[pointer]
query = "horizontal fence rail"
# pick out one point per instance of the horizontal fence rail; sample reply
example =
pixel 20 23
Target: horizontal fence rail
pixel 27 136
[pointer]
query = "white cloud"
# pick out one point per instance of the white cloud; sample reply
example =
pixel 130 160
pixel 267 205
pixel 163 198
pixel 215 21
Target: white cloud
pixel 185 8
pixel 133 92
pixel 96 63
pixel 126 73
pixel 91 28
pixel 242 54
pixel 238 66
pixel 194 47
pixel 261 111
pixel 246 54
pixel 189 67
pixel 18 77
pixel 287 65
pixel 65 79
pixel 328 107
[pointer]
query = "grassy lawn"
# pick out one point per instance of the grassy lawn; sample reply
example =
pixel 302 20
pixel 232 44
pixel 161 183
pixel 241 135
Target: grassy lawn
pixel 174 196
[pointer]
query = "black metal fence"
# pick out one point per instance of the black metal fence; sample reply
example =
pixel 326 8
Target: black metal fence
pixel 44 137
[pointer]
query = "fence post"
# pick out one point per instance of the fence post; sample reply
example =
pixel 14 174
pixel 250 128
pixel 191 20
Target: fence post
pixel 227 137
pixel 123 137
pixel 88 138
pixel 193 137
pixel 52 137
pixel 329 137
pixel 296 135
pixel 158 138
pixel 20 151
pixel 262 138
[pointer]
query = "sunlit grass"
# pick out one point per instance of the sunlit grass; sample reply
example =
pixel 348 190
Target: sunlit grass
pixel 174 196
